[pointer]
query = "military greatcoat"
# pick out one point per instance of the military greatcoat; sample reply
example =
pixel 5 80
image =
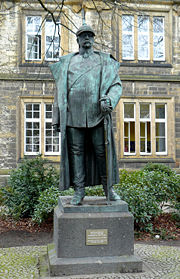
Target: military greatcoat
pixel 110 85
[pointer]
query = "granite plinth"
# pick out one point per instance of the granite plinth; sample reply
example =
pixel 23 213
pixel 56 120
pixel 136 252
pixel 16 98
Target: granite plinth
pixel 72 253
pixel 92 265
pixel 92 204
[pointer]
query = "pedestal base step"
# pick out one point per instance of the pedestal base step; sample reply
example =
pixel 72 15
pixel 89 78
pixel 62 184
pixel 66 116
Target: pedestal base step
pixel 92 265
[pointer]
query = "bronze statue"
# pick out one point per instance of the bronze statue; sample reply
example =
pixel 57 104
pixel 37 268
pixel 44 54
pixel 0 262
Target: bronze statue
pixel 88 89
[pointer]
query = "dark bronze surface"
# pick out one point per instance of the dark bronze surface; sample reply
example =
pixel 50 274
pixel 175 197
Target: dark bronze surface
pixel 88 89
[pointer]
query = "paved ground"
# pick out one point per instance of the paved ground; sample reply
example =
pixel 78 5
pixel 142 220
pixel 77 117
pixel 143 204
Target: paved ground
pixel 27 262
pixel 159 262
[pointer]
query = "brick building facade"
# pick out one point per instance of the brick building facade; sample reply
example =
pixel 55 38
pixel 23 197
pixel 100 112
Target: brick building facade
pixel 145 38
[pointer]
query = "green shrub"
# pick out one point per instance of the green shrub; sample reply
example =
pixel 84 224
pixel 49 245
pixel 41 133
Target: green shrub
pixel 146 190
pixel 94 191
pixel 142 203
pixel 2 197
pixel 26 184
pixel 47 201
pixel 143 190
pixel 158 167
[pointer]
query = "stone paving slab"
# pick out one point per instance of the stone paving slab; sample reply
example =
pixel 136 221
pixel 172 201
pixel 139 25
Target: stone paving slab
pixel 27 262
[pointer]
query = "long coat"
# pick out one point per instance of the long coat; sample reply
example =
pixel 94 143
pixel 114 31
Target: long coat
pixel 109 78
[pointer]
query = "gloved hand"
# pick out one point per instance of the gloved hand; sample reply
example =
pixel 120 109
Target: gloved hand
pixel 105 105
pixel 56 128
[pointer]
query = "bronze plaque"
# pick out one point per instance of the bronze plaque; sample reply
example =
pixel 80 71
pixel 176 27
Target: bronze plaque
pixel 97 237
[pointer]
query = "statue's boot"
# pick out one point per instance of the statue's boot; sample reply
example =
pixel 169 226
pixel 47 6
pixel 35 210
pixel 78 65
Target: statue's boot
pixel 113 196
pixel 78 196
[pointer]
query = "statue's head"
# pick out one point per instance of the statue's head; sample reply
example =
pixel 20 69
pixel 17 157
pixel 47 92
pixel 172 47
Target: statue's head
pixel 85 36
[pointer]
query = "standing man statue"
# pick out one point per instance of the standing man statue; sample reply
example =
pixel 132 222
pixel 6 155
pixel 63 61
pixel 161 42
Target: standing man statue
pixel 88 89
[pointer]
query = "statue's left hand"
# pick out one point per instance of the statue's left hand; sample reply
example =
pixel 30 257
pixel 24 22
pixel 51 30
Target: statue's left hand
pixel 105 105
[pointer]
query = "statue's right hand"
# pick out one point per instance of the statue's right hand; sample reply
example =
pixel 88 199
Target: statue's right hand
pixel 56 128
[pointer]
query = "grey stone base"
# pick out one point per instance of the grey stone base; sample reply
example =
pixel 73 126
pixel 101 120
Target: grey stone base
pixel 92 265
pixel 94 238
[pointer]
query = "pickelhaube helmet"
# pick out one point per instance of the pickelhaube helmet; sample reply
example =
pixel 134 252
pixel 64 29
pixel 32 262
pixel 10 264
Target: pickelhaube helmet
pixel 85 28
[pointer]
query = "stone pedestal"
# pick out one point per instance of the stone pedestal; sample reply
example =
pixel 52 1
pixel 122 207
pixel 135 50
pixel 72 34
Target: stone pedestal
pixel 94 238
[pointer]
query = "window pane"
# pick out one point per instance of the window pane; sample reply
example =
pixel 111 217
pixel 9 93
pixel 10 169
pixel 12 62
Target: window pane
pixel 142 145
pixel 158 24
pixel 144 111
pixel 35 125
pixel 33 24
pixel 142 129
pixel 143 47
pixel 126 145
pixel 35 148
pixel 48 107
pixel 36 133
pixel 33 37
pixel 28 114
pixel 128 110
pixel 48 148
pixel 132 137
pixel 49 125
pixel 36 107
pixel 52 40
pixel 127 23
pixel 148 137
pixel 126 129
pixel 28 107
pixel 160 145
pixel 160 129
pixel 51 137
pixel 55 148
pixel 48 133
pixel 127 37
pixel 145 137
pixel 28 125
pixel 158 39
pixel 160 111
pixel 143 37
pixel 127 47
pixel 35 114
pixel 28 148
pixel 48 114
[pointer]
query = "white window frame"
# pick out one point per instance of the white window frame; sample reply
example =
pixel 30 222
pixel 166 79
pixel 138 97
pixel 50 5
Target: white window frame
pixel 162 120
pixel 33 34
pixel 145 120
pixel 32 120
pixel 49 120
pixel 129 120
pixel 55 34
pixel 163 35
pixel 146 33
pixel 128 33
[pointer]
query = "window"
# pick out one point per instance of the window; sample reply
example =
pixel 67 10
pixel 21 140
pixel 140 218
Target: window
pixel 36 45
pixel 143 131
pixel 129 128
pixel 160 121
pixel 143 38
pixel 145 128
pixel 39 136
